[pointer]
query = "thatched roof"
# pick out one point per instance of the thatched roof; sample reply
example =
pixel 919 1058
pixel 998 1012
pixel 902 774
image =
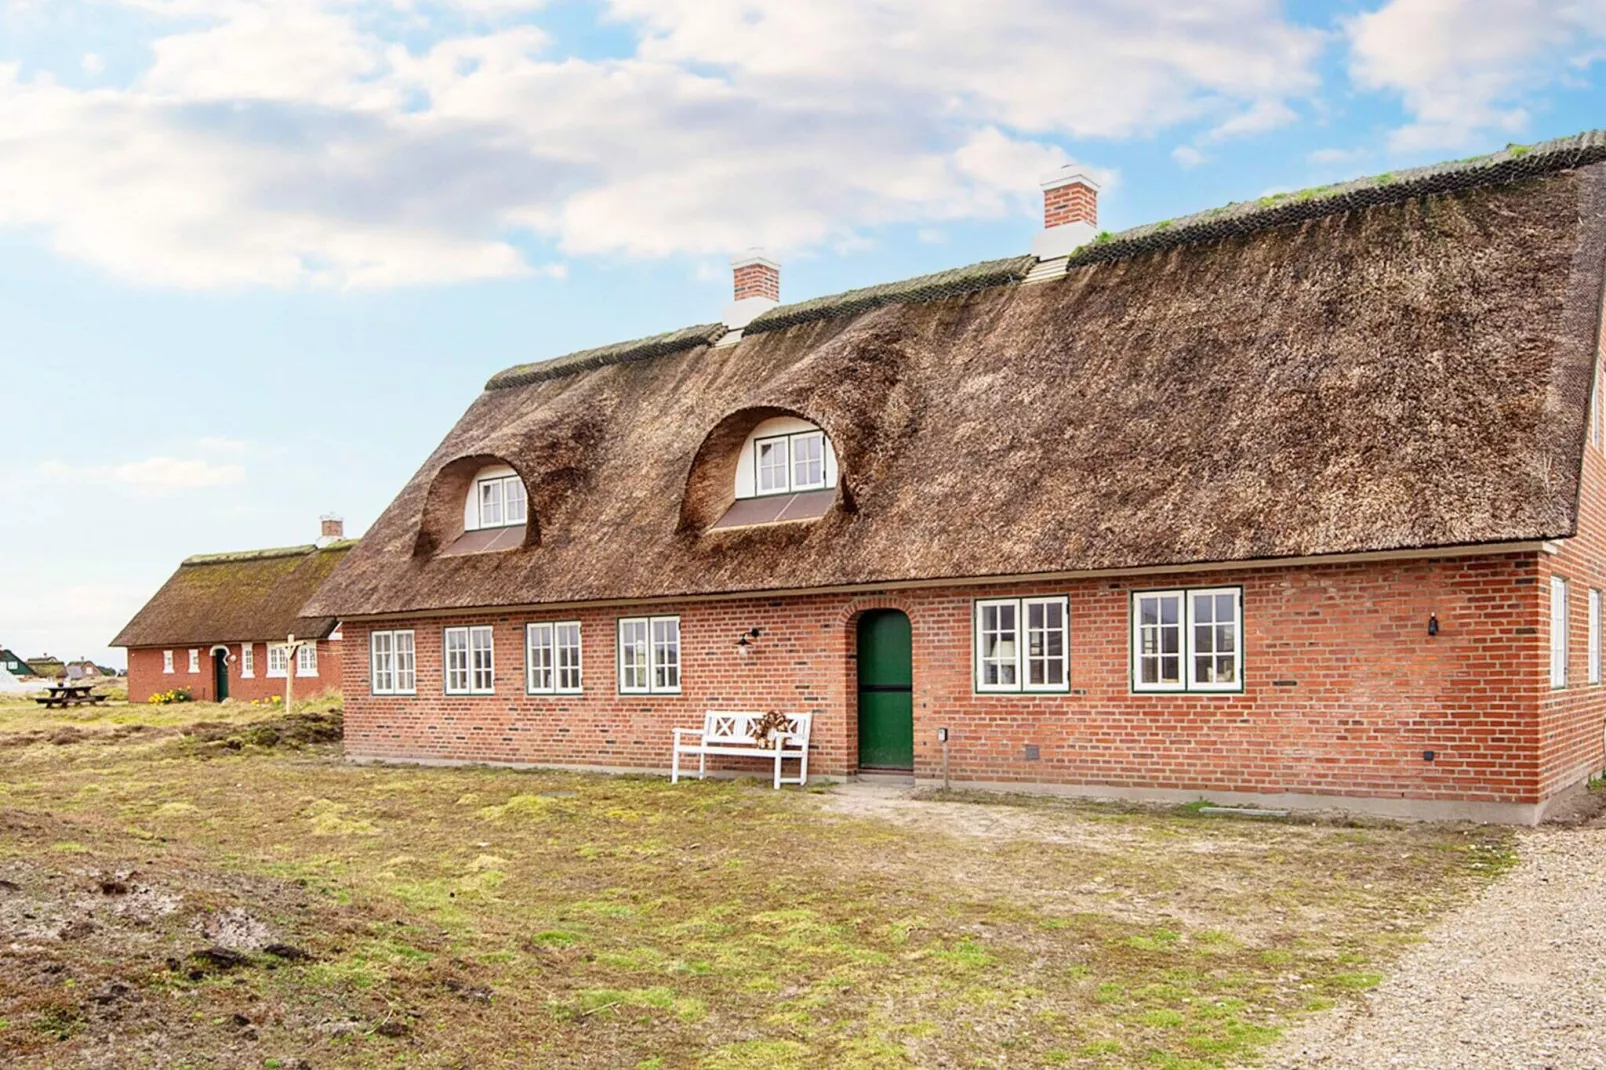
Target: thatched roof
pixel 1395 363
pixel 254 596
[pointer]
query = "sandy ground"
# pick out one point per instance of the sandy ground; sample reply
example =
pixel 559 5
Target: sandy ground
pixel 1515 980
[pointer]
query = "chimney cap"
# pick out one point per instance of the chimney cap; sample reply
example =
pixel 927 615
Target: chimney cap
pixel 753 256
pixel 1068 175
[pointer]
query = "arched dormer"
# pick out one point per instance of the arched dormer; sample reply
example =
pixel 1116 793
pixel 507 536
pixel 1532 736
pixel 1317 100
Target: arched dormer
pixel 759 467
pixel 475 505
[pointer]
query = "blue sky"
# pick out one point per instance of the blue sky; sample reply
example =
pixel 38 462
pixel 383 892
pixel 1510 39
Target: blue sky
pixel 256 256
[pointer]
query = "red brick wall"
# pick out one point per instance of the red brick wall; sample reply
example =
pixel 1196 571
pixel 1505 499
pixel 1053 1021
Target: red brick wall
pixel 145 676
pixel 1344 689
pixel 1572 720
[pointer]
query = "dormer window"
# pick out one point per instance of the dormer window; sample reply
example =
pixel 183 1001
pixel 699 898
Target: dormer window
pixel 502 501
pixel 786 472
pixel 496 512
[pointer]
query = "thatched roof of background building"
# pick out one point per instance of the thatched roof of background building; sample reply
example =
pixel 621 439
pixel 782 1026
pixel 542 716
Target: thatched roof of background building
pixel 1395 363
pixel 254 596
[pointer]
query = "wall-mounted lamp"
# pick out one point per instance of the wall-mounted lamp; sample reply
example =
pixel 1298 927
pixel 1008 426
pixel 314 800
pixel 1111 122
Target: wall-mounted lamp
pixel 1433 624
pixel 744 642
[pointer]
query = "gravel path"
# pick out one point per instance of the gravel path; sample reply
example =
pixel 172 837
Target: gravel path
pixel 1513 981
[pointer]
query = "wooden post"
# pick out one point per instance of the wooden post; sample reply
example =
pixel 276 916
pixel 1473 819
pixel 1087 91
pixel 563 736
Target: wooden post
pixel 290 648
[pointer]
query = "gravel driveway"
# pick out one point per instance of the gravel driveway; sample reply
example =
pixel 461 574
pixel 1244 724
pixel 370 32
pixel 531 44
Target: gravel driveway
pixel 1515 980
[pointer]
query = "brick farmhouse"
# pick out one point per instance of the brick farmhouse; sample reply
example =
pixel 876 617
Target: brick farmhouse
pixel 1294 502
pixel 219 627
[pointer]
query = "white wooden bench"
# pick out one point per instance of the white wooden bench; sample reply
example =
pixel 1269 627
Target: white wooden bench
pixel 732 734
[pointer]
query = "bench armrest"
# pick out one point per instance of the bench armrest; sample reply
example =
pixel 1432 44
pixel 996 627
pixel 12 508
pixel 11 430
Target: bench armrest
pixel 698 732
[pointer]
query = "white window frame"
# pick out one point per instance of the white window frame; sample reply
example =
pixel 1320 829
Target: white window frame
pixel 195 660
pixel 792 486
pixel 478 676
pixel 552 658
pixel 1187 676
pixel 167 662
pixel 278 661
pixel 1594 636
pixel 1558 633
pixel 661 675
pixel 1020 657
pixel 307 660
pixel 392 670
pixel 502 486
pixel 248 661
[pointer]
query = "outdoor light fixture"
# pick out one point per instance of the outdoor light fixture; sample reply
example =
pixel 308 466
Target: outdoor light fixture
pixel 1433 624
pixel 744 642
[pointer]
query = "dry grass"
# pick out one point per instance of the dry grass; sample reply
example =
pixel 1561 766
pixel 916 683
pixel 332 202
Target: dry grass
pixel 484 918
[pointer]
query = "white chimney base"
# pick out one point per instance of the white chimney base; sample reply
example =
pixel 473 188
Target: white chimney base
pixel 739 314
pixel 1062 240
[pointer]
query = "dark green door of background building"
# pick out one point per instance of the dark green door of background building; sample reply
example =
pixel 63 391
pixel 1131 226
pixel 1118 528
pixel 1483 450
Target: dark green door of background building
pixel 886 691
pixel 220 676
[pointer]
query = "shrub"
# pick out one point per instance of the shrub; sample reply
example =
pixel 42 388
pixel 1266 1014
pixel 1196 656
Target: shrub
pixel 167 698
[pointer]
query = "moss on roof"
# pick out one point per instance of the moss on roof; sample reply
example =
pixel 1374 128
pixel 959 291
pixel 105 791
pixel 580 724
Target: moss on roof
pixel 657 345
pixel 963 280
pixel 262 555
pixel 1511 164
pixel 251 595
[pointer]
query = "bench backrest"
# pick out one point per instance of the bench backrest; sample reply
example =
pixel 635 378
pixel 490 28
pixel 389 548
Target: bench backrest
pixel 736 728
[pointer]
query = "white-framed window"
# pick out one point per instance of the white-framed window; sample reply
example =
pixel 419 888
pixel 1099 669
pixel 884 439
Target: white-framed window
pixel 649 655
pixel 1188 640
pixel 307 659
pixel 502 502
pixel 195 661
pixel 167 662
pixel 470 661
pixel 1023 644
pixel 248 660
pixel 1594 636
pixel 391 664
pixel 786 464
pixel 278 660
pixel 1558 632
pixel 552 658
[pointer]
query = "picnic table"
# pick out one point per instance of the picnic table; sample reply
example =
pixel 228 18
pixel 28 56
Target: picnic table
pixel 65 695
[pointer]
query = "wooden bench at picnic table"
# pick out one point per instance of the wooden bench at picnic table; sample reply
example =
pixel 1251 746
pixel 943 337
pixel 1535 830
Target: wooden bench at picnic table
pixel 65 695
pixel 738 735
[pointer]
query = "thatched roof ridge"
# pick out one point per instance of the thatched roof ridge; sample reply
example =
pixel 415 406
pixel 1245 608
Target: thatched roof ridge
pixel 657 345
pixel 254 595
pixel 260 555
pixel 951 283
pixel 1404 375
pixel 1511 164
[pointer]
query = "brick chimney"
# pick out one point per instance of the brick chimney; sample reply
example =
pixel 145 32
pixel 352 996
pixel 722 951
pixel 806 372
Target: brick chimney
pixel 757 281
pixel 1070 213
pixel 331 529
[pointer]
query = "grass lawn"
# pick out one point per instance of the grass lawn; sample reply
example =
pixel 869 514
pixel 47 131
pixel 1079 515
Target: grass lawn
pixel 240 897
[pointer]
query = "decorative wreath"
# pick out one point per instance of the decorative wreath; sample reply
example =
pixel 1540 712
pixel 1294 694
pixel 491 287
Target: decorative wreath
pixel 773 721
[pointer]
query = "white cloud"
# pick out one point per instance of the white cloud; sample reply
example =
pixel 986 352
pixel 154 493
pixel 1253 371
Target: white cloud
pixel 1465 67
pixel 154 475
pixel 1328 157
pixel 301 142
pixel 1187 156
pixel 92 63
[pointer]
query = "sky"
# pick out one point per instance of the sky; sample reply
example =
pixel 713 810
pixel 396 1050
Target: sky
pixel 257 256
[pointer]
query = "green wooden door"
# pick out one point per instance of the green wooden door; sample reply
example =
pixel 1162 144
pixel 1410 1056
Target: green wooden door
pixel 220 677
pixel 886 691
